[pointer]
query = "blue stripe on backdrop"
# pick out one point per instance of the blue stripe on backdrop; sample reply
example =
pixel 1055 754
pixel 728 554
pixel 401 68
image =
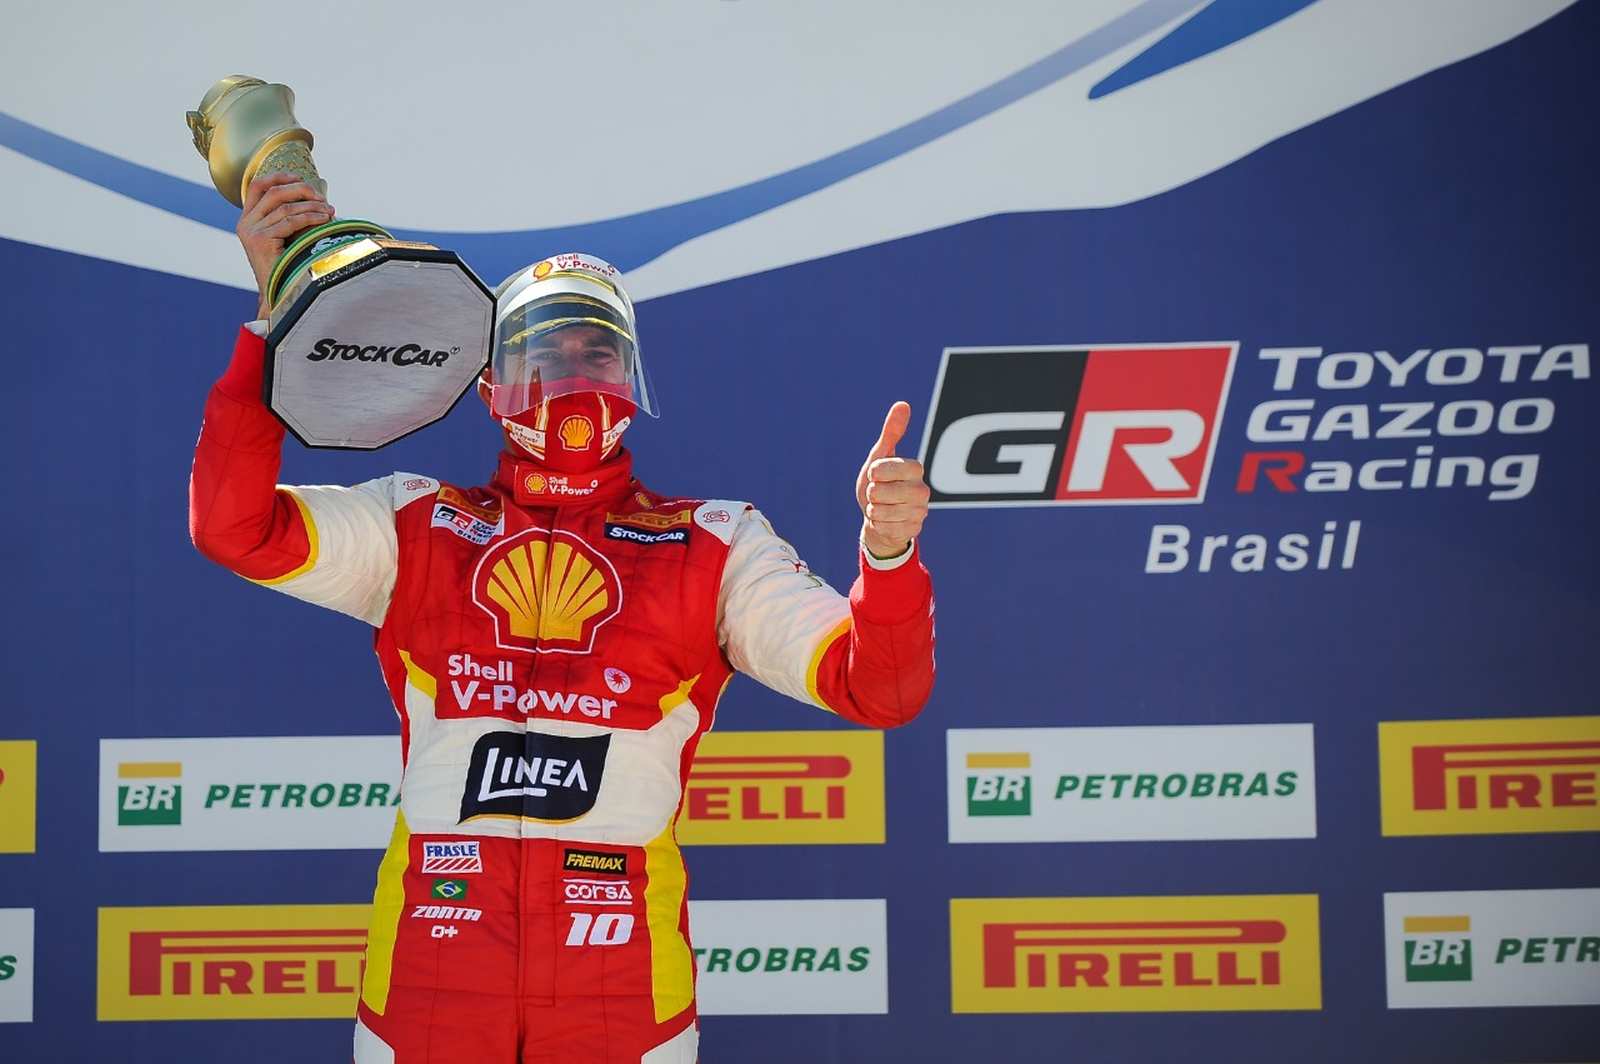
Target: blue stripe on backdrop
pixel 1402 223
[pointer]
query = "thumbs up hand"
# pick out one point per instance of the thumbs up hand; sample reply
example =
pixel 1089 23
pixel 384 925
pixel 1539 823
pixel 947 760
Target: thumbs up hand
pixel 890 491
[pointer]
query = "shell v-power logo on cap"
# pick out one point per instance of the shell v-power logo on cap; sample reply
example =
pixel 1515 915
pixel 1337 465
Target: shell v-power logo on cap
pixel 547 592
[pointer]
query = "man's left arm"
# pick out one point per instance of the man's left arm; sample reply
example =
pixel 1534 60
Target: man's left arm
pixel 868 657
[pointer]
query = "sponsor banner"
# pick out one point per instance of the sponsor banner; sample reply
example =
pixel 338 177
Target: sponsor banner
pixel 231 962
pixel 16 965
pixel 19 768
pixel 754 788
pixel 1245 781
pixel 788 957
pixel 1216 953
pixel 1489 777
pixel 1474 948
pixel 298 793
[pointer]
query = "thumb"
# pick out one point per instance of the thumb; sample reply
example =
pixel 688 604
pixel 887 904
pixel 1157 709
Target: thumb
pixel 894 427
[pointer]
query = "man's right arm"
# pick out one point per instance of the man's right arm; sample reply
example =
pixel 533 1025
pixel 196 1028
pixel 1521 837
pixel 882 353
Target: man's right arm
pixel 332 546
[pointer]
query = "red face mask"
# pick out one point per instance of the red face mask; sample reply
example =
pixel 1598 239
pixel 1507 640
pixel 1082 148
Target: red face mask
pixel 571 433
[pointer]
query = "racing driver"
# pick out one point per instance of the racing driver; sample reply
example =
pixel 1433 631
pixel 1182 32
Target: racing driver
pixel 555 643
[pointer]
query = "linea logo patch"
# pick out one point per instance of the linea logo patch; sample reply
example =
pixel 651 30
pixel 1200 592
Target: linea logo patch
pixel 999 784
pixel 1438 949
pixel 151 795
pixel 1104 425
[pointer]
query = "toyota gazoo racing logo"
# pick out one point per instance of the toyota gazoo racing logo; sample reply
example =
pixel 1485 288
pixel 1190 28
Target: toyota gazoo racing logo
pixel 547 592
pixel 330 350
pixel 1139 424
pixel 1110 424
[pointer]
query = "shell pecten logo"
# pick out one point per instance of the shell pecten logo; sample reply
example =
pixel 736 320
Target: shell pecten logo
pixel 546 592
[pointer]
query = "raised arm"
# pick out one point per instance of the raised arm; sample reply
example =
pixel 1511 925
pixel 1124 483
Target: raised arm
pixel 332 546
pixel 868 658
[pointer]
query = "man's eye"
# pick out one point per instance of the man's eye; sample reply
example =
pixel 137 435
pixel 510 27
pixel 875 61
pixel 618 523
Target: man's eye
pixel 602 356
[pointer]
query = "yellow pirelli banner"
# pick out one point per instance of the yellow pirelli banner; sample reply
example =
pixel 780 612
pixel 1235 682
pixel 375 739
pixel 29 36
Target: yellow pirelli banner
pixel 1491 776
pixel 231 962
pixel 19 770
pixel 763 788
pixel 1215 953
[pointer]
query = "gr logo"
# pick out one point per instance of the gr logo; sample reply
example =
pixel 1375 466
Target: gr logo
pixel 1103 425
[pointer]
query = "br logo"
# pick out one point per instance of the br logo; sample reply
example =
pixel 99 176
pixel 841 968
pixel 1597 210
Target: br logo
pixel 1437 949
pixel 1107 425
pixel 547 592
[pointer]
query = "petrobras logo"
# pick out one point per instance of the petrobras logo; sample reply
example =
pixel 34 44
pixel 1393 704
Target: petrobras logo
pixel 16 965
pixel 1484 948
pixel 1490 776
pixel 762 788
pixel 19 773
pixel 791 956
pixel 1135 954
pixel 280 793
pixel 231 962
pixel 451 857
pixel 1247 781
pixel 1087 425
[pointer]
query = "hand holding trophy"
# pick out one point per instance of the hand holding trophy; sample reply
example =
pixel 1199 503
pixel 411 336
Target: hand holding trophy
pixel 369 338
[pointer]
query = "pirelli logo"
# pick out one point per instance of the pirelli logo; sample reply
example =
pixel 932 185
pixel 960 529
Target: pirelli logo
pixel 1173 954
pixel 231 962
pixel 1498 776
pixel 762 788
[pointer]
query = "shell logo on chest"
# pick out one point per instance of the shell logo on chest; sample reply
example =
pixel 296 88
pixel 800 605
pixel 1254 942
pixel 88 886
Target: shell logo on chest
pixel 547 592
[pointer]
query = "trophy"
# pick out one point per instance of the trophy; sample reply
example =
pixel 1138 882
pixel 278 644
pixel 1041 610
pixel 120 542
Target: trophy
pixel 369 338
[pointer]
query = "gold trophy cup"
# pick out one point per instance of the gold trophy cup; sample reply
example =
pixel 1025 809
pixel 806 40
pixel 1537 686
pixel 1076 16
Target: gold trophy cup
pixel 369 338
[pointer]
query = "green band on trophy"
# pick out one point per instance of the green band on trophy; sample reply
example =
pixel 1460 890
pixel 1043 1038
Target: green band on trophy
pixel 310 245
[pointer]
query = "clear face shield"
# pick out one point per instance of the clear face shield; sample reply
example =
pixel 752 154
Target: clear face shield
pixel 564 343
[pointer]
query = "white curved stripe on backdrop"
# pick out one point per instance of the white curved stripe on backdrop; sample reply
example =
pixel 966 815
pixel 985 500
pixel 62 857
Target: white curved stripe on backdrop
pixel 489 121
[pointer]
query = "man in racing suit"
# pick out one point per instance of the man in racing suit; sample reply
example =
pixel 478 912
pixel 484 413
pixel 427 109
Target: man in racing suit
pixel 555 643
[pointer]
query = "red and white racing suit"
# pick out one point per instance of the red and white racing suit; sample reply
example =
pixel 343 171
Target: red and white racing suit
pixel 555 647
